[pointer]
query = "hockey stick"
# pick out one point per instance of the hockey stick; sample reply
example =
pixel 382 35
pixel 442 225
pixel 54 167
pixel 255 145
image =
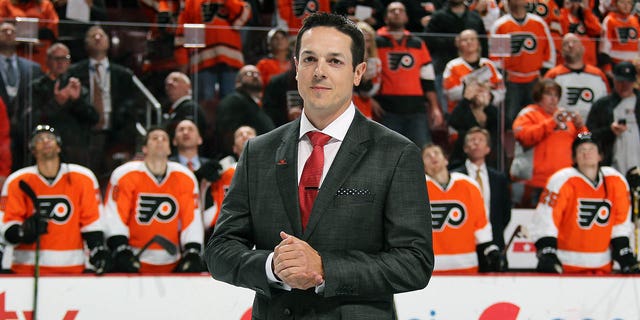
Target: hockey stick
pixel 517 232
pixel 26 188
pixel 167 245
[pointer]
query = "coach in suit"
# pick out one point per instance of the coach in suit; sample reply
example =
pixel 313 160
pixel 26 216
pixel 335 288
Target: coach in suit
pixel 368 233
pixel 494 185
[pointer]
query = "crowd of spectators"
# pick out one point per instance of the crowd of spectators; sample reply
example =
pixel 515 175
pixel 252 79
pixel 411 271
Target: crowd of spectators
pixel 436 73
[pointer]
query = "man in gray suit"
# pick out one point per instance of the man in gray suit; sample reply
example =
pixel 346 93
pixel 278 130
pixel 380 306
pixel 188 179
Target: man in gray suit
pixel 366 236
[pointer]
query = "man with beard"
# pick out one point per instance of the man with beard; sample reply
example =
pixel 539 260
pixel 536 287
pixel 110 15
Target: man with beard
pixel 242 107
pixel 582 83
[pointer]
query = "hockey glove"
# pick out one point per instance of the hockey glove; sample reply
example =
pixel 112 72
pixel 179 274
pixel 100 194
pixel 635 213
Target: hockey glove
pixel 33 227
pixel 100 258
pixel 209 171
pixel 191 261
pixel 548 261
pixel 123 258
pixel 492 257
pixel 622 253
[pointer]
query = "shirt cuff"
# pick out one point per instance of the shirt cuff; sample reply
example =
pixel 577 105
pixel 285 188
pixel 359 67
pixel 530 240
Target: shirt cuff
pixel 271 277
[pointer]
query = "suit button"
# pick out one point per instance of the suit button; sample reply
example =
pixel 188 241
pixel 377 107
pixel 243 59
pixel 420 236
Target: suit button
pixel 287 312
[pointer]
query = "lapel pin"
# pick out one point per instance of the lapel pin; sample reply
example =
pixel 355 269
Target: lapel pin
pixel 282 162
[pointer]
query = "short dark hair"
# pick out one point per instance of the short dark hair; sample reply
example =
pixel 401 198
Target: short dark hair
pixel 543 85
pixel 152 129
pixel 340 23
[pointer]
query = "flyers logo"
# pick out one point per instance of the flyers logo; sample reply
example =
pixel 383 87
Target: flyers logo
pixel 58 208
pixel 574 94
pixel 400 59
pixel 577 28
pixel 209 10
pixel 302 8
pixel 541 9
pixel 444 213
pixel 162 207
pixel 523 42
pixel 593 211
pixel 626 34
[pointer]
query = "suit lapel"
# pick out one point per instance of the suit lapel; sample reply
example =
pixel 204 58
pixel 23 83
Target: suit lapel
pixel 351 151
pixel 286 175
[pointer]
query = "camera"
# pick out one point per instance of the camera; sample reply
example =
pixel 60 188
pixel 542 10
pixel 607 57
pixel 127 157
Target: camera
pixel 622 122
pixel 565 116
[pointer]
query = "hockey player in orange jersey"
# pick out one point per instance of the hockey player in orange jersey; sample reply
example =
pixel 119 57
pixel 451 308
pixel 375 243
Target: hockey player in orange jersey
pixel 66 214
pixel 458 216
pixel 154 197
pixel 583 217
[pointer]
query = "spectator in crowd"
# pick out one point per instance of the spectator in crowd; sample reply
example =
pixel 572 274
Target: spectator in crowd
pixel 177 86
pixel 154 197
pixel 72 31
pixel 187 141
pixel 63 102
pixel 17 74
pixel 279 59
pixel 468 67
pixel 474 110
pixel 418 13
pixel 370 84
pixel 227 167
pixel 65 193
pixel 113 94
pixel 5 145
pixel 290 14
pixel 619 41
pixel 532 50
pixel 242 107
pixel 47 23
pixel 614 120
pixel 407 79
pixel 576 17
pixel 458 213
pixel 441 34
pixel 366 250
pixel 355 11
pixel 549 11
pixel 581 83
pixel 494 186
pixel 489 11
pixel 282 100
pixel 218 63
pixel 583 220
pixel 544 132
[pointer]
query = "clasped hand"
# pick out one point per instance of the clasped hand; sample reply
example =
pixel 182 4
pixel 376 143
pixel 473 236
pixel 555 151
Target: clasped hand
pixel 296 263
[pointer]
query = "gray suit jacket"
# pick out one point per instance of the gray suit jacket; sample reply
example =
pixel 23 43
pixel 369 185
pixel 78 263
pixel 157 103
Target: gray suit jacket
pixel 371 224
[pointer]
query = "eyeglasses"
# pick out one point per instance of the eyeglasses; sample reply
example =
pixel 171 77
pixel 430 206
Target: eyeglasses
pixel 60 58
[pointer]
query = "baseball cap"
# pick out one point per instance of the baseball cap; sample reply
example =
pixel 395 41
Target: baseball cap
pixel 624 71
pixel 583 137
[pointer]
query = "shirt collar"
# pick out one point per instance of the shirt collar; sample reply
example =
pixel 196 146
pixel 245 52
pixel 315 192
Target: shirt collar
pixel 184 160
pixel 472 168
pixel 336 129
pixel 178 102
pixel 104 63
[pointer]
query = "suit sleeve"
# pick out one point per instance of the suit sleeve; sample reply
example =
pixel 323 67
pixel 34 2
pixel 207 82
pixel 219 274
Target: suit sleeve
pixel 5 142
pixel 406 262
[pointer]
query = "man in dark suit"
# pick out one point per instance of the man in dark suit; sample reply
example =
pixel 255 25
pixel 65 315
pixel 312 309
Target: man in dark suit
pixel 114 95
pixel 187 140
pixel 177 86
pixel 494 185
pixel 368 233
pixel 16 74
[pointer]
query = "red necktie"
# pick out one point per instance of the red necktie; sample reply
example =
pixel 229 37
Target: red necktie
pixel 311 174
pixel 190 165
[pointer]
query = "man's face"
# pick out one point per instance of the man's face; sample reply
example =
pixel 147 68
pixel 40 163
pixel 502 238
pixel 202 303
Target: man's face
pixel 58 61
pixel 45 146
pixel 249 78
pixel 7 35
pixel 240 137
pixel 434 161
pixel 97 41
pixel 325 74
pixel 186 135
pixel 176 86
pixel 572 49
pixel 157 144
pixel 587 155
pixel 468 42
pixel 623 88
pixel 476 146
pixel 279 42
pixel 624 6
pixel 396 15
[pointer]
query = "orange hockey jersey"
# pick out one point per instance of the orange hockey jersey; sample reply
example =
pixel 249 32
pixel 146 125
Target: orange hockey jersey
pixel 218 190
pixel 222 36
pixel 456 73
pixel 532 47
pixel 291 13
pixel 584 217
pixel 138 206
pixel 588 30
pixel 620 37
pixel 72 202
pixel 459 223
pixel 270 67
pixel 579 89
